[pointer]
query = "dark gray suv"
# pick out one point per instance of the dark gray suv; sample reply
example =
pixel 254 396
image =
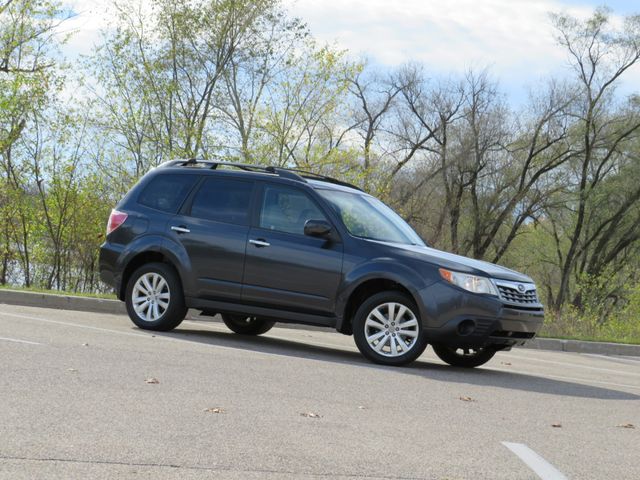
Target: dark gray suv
pixel 263 245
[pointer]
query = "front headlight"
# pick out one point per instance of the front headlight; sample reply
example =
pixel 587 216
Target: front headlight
pixel 472 283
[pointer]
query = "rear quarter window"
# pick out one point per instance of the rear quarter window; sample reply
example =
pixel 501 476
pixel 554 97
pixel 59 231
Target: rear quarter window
pixel 166 192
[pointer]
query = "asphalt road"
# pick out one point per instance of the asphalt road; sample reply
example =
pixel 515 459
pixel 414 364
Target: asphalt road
pixel 76 402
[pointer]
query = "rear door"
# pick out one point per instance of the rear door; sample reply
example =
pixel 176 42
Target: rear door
pixel 213 228
pixel 285 268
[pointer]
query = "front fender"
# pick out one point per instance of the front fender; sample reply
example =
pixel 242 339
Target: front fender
pixel 385 269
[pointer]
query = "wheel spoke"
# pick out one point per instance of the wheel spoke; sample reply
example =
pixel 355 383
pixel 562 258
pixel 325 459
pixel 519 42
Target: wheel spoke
pixel 390 312
pixel 394 346
pixel 376 336
pixel 138 300
pixel 376 313
pixel 156 313
pixel 162 286
pixel 163 304
pixel 381 344
pixel 373 324
pixel 140 289
pixel 409 323
pixel 408 333
pixel 400 314
pixel 141 307
pixel 147 284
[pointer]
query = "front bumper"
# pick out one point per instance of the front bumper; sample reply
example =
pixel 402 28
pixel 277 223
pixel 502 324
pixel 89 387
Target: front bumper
pixel 457 318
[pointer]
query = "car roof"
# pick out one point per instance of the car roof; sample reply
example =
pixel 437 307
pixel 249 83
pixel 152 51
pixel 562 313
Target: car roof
pixel 310 179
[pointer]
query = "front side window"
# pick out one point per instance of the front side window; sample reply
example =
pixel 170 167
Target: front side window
pixel 367 217
pixel 223 200
pixel 287 209
pixel 166 192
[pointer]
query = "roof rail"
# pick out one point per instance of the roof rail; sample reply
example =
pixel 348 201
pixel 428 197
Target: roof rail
pixel 290 173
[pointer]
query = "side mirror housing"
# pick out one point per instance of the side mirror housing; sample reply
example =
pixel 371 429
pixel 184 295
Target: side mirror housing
pixel 317 228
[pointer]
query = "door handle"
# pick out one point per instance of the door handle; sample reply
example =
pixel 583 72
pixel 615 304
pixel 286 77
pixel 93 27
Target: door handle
pixel 259 243
pixel 180 229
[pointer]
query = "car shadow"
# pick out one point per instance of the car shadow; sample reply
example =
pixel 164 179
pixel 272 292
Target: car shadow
pixel 421 368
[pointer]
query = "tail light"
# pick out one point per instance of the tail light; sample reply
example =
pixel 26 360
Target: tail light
pixel 115 220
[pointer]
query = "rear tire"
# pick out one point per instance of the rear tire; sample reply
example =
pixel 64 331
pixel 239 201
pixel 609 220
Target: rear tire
pixel 466 358
pixel 247 324
pixel 387 329
pixel 154 298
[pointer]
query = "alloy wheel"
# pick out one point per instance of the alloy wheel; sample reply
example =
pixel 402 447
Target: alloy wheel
pixel 150 296
pixel 391 329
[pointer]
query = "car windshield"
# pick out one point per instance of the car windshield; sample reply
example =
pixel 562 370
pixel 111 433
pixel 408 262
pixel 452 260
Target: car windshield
pixel 367 217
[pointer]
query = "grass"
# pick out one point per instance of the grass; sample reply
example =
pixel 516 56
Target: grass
pixel 573 327
pixel 568 327
pixel 108 296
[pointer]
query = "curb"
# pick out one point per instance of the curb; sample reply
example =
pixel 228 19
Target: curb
pixel 116 307
pixel 61 302
pixel 581 346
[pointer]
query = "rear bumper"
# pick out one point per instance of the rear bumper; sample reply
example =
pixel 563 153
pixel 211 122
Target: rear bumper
pixel 108 261
pixel 467 320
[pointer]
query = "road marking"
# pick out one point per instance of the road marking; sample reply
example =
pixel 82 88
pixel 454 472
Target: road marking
pixel 535 462
pixel 157 335
pixel 19 341
pixel 163 336
pixel 560 377
pixel 569 364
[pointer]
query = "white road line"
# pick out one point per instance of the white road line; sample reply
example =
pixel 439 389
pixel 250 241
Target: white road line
pixel 569 364
pixel 561 377
pixel 535 462
pixel 159 335
pixel 19 341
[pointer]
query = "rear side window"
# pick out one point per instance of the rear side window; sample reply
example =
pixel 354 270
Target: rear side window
pixel 166 192
pixel 223 200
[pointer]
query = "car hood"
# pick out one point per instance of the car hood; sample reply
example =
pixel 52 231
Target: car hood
pixel 462 264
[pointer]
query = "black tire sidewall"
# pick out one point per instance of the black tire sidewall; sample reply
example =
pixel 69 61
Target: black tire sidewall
pixel 256 327
pixel 359 332
pixel 176 311
pixel 447 355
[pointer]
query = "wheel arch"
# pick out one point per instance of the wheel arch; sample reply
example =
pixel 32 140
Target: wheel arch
pixel 143 258
pixel 364 290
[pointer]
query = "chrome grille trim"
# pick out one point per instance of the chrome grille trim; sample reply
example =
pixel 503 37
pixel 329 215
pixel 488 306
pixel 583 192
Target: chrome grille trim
pixel 517 292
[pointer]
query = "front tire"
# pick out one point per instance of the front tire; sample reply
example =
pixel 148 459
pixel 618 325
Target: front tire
pixel 154 298
pixel 387 329
pixel 247 324
pixel 463 357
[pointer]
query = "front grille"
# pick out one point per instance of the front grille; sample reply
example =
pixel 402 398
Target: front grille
pixel 513 295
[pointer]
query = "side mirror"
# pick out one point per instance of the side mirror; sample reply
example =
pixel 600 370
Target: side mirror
pixel 317 228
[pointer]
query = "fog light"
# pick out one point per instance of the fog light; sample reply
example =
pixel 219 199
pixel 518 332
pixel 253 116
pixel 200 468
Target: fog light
pixel 466 327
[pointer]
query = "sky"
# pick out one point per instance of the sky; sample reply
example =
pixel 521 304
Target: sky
pixel 514 39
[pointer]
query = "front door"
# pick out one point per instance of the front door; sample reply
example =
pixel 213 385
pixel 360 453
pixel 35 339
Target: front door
pixel 285 268
pixel 214 230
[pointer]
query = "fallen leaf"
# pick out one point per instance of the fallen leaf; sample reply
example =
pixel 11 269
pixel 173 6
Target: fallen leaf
pixel 310 415
pixel 505 363
pixel 85 344
pixel 152 380
pixel 626 425
pixel 467 399
pixel 361 407
pixel 72 369
pixel 214 410
pixel 556 425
